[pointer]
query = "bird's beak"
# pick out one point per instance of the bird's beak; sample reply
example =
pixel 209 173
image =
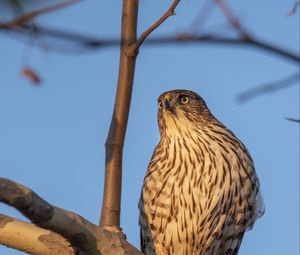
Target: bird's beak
pixel 168 104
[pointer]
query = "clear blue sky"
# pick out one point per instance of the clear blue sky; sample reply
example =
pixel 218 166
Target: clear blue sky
pixel 52 137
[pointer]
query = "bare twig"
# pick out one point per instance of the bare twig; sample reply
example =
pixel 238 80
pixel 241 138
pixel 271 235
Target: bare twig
pixel 145 34
pixel 31 239
pixel 268 88
pixel 31 15
pixel 228 13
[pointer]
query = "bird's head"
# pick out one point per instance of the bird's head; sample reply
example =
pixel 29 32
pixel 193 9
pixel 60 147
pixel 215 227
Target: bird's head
pixel 180 109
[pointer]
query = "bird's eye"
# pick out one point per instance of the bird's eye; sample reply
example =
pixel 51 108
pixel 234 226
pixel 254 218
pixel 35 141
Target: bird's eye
pixel 184 99
pixel 160 104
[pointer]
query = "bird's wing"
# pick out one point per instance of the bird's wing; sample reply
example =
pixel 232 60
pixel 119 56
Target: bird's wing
pixel 142 241
pixel 231 242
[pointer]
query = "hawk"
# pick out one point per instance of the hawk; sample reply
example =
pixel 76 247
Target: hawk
pixel 200 192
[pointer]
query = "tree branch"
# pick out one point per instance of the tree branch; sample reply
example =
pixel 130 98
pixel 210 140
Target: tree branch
pixel 31 239
pixel 88 42
pixel 293 119
pixel 85 237
pixel 145 34
pixel 31 15
pixel 228 13
pixel 268 87
pixel 247 37
pixel 71 226
pixel 110 215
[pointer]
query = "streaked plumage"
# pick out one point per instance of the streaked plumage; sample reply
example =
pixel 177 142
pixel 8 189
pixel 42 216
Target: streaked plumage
pixel 200 192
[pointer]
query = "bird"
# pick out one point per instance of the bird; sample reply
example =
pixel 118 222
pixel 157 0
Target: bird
pixel 200 192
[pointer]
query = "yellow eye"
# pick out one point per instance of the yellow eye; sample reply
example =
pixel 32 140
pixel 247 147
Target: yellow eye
pixel 184 100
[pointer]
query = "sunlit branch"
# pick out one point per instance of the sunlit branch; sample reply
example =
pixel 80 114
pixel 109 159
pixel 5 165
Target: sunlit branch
pixel 32 239
pixel 71 226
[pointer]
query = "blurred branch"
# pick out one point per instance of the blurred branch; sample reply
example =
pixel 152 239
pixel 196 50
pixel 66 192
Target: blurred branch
pixel 231 17
pixel 31 75
pixel 31 15
pixel 294 9
pixel 268 88
pixel 294 120
pixel 247 37
pixel 201 16
pixel 88 42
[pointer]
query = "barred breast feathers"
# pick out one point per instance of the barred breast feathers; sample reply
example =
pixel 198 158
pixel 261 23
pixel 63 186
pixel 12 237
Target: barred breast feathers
pixel 200 186
pixel 207 145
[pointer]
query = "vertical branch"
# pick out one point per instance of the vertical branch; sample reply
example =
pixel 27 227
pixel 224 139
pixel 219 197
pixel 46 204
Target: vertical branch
pixel 110 215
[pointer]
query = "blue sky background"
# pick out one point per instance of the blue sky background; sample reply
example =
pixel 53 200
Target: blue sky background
pixel 52 137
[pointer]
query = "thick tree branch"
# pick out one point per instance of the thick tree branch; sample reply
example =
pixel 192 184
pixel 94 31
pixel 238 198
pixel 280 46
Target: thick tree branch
pixel 71 226
pixel 31 239
pixel 51 221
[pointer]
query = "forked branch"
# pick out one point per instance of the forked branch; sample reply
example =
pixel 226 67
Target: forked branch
pixel 63 231
pixel 144 35
pixel 110 215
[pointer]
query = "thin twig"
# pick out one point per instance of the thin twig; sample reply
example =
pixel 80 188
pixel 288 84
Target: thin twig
pixel 229 14
pixel 31 15
pixel 268 88
pixel 201 17
pixel 145 34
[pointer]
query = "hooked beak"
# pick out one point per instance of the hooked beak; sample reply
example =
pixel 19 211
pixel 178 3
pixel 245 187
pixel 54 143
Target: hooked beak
pixel 168 105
